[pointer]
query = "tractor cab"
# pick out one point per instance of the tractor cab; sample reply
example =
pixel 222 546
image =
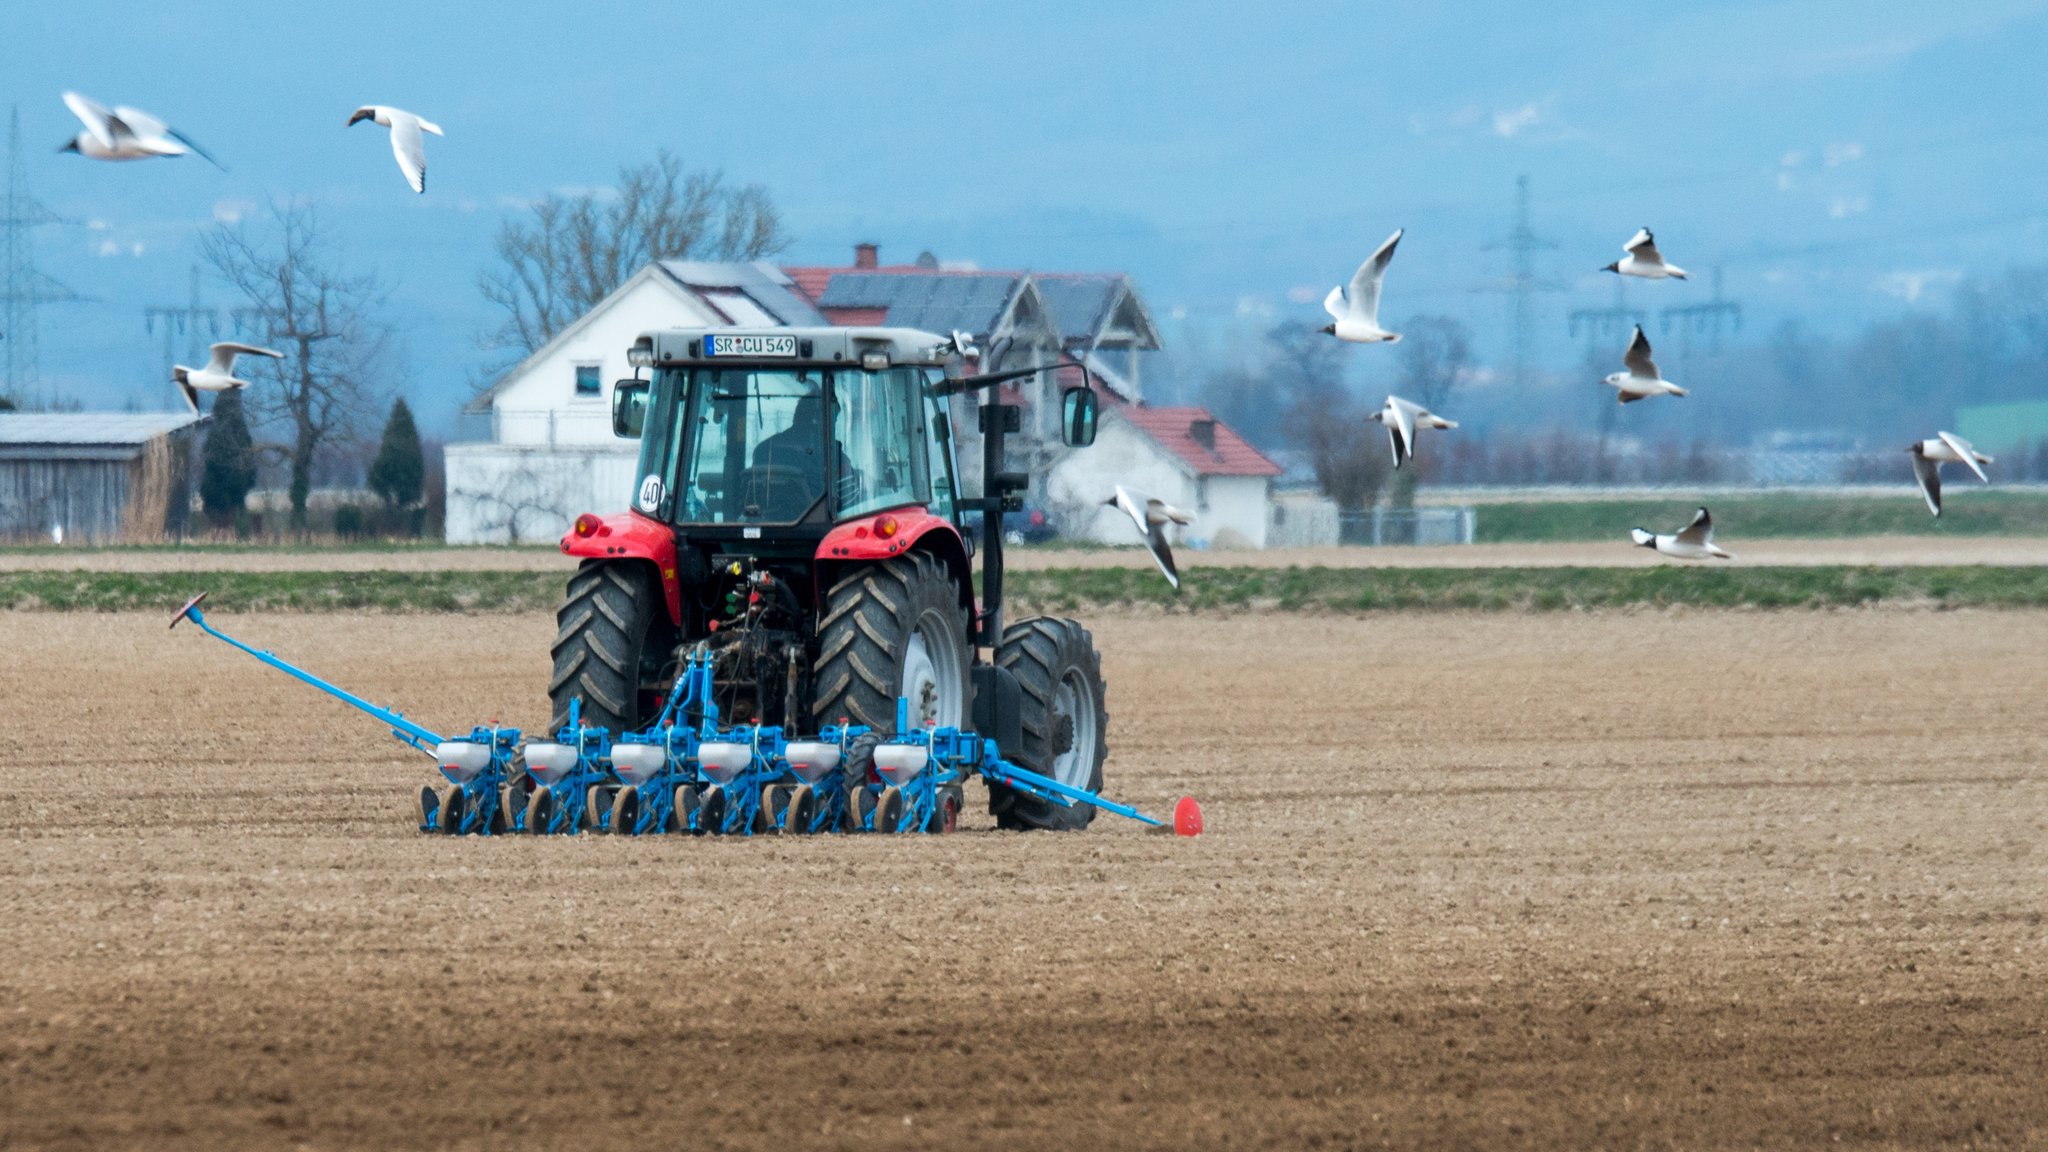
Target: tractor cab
pixel 758 429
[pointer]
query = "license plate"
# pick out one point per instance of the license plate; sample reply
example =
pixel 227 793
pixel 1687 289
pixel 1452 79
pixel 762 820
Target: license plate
pixel 750 346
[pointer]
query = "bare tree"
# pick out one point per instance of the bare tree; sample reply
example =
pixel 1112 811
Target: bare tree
pixel 525 502
pixel 325 322
pixel 574 250
pixel 1435 352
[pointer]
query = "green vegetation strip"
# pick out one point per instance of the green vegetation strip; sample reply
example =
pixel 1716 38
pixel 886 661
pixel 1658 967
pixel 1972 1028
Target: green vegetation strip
pixel 462 591
pixel 1965 513
pixel 1344 590
pixel 1333 590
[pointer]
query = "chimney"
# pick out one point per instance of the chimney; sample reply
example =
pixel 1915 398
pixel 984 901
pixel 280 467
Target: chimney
pixel 1203 432
pixel 866 256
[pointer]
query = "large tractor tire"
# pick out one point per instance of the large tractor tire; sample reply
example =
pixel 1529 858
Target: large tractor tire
pixel 1065 721
pixel 896 628
pixel 605 629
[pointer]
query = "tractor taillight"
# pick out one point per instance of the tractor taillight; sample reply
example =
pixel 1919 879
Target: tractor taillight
pixel 587 525
pixel 885 526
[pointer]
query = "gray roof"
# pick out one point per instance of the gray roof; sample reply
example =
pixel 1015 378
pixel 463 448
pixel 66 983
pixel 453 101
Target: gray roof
pixel 769 287
pixel 935 301
pixel 1077 302
pixel 81 429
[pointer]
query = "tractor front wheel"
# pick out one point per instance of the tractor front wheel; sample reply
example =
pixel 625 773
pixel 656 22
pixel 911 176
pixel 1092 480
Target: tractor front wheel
pixel 1065 721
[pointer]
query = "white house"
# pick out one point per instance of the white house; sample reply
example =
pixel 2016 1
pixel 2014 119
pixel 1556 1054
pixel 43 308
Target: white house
pixel 1184 456
pixel 552 454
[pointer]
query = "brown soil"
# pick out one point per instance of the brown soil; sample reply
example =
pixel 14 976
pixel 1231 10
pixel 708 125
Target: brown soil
pixel 1558 881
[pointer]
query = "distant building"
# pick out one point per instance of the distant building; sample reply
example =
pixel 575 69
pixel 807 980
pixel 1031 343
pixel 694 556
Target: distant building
pixel 551 453
pixel 1028 318
pixel 1184 456
pixel 96 477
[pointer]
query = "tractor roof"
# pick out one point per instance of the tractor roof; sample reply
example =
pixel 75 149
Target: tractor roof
pixel 807 345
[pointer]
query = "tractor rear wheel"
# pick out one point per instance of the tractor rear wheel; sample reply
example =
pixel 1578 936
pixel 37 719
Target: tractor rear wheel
pixel 607 631
pixel 897 628
pixel 1065 721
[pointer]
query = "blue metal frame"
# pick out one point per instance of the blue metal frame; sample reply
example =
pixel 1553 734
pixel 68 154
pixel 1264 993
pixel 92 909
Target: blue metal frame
pixel 954 754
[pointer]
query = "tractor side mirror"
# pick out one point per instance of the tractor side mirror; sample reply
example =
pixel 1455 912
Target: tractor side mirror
pixel 1077 417
pixel 629 408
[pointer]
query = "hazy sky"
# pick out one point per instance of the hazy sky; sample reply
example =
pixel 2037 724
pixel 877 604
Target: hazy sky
pixel 1838 160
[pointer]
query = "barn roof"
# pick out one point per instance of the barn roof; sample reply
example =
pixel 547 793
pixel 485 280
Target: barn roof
pixel 88 429
pixel 1208 446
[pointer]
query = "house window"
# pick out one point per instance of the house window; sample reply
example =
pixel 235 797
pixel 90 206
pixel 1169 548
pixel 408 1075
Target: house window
pixel 1202 494
pixel 589 380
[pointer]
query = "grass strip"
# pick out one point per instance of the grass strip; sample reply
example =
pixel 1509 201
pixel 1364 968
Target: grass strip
pixel 1073 590
pixel 1966 513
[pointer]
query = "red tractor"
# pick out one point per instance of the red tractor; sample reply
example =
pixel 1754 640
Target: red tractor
pixel 799 514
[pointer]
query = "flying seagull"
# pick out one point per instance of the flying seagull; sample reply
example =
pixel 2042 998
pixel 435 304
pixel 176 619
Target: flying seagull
pixel 1402 418
pixel 1357 313
pixel 406 142
pixel 219 373
pixel 125 134
pixel 1930 455
pixel 1642 379
pixel 1644 260
pixel 1693 542
pixel 1151 517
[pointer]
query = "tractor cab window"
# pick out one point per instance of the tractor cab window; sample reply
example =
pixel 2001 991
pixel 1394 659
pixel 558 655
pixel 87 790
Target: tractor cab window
pixel 753 446
pixel 878 423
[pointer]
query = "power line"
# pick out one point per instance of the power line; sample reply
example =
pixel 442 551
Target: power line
pixel 22 285
pixel 1522 284
pixel 179 320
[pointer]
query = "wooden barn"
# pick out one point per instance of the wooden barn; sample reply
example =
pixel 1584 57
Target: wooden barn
pixel 96 477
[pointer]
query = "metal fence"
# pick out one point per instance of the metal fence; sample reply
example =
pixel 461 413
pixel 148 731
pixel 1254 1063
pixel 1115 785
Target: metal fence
pixel 1382 527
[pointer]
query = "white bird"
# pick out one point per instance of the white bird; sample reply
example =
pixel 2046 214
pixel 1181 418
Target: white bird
pixel 219 373
pixel 1357 313
pixel 406 142
pixel 1402 419
pixel 1151 517
pixel 1642 379
pixel 1930 455
pixel 1693 542
pixel 125 134
pixel 1644 260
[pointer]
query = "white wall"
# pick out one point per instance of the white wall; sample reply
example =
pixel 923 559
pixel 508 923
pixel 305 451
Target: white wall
pixel 1079 482
pixel 1238 504
pixel 502 493
pixel 539 405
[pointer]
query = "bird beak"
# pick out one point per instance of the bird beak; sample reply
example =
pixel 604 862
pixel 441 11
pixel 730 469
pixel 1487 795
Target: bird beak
pixel 69 146
pixel 1614 267
pixel 1328 329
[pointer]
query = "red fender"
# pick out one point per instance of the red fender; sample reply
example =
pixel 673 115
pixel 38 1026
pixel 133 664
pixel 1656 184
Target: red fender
pixel 629 536
pixel 894 532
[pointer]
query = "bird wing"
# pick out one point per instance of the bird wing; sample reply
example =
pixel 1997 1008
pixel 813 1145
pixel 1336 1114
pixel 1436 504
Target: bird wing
pixel 1643 247
pixel 1159 511
pixel 1699 531
pixel 94 115
pixel 1364 295
pixel 1638 357
pixel 190 394
pixel 1162 554
pixel 1129 507
pixel 1961 447
pixel 188 142
pixel 1334 304
pixel 142 124
pixel 411 149
pixel 430 126
pixel 1400 427
pixel 1928 473
pixel 224 353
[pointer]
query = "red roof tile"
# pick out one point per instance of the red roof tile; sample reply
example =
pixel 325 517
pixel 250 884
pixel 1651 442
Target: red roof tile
pixel 1172 428
pixel 857 317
